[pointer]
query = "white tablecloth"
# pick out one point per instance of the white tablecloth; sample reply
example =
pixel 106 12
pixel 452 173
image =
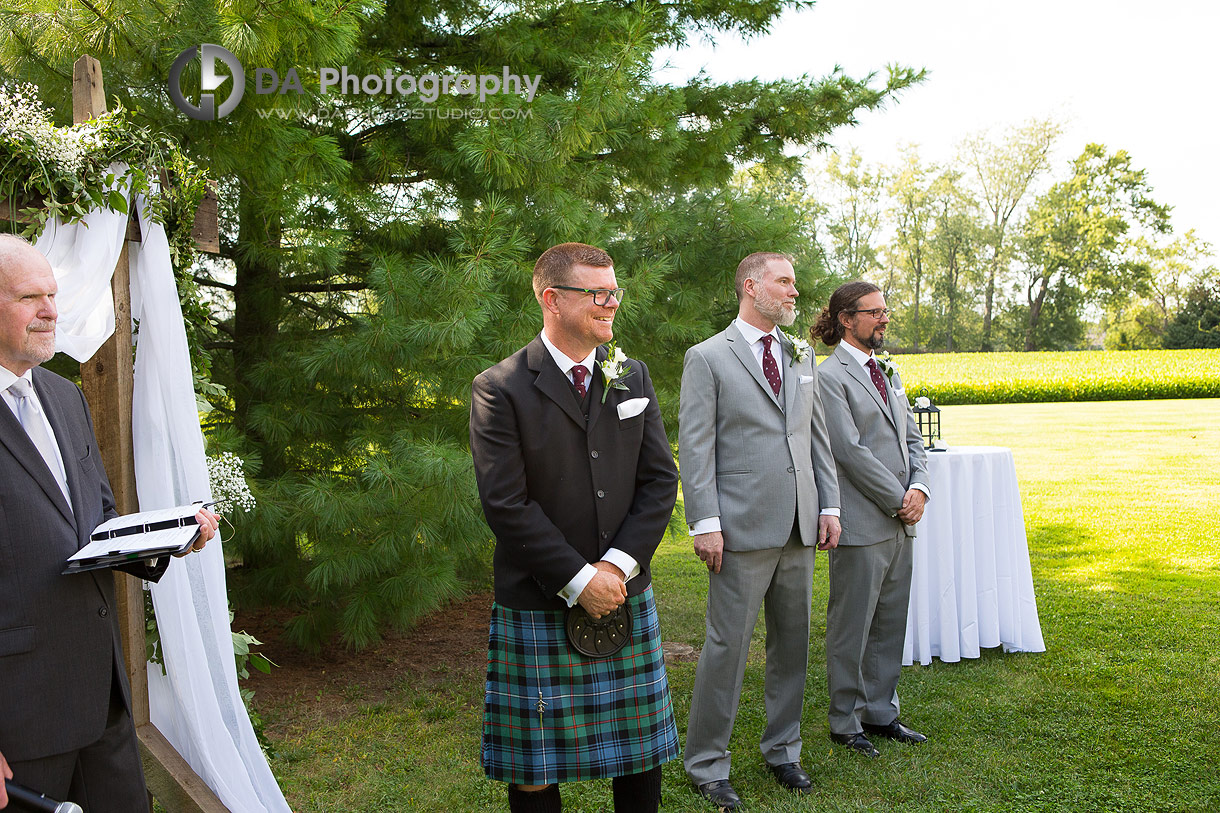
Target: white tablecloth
pixel 971 585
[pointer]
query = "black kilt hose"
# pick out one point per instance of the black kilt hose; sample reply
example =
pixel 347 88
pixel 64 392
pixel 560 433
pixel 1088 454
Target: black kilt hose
pixel 600 717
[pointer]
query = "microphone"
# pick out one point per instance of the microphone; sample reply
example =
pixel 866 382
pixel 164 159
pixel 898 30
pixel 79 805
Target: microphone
pixel 28 799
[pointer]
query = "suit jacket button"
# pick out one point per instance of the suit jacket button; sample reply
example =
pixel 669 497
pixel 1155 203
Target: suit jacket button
pixel 103 612
pixel 593 454
pixel 790 469
pixel 600 494
pixel 605 534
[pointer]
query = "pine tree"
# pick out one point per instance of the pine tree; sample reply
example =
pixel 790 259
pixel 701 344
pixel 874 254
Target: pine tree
pixel 383 256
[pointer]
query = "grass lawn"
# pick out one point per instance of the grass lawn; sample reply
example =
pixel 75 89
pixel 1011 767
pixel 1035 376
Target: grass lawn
pixel 1122 510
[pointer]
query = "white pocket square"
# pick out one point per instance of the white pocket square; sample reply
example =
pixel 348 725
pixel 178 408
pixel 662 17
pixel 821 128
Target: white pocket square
pixel 631 407
pixel 805 379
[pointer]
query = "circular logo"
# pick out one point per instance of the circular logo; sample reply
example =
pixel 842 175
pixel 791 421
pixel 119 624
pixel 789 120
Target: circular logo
pixel 208 80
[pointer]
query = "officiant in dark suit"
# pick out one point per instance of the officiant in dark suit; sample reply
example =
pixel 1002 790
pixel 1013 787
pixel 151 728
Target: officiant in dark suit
pixel 65 721
pixel 577 482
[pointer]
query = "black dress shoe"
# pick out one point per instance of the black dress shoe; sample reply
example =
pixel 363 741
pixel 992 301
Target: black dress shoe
pixel 792 776
pixel 721 794
pixel 856 742
pixel 896 731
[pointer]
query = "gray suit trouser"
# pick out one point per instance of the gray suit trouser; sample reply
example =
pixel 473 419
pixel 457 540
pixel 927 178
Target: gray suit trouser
pixel 866 621
pixel 782 580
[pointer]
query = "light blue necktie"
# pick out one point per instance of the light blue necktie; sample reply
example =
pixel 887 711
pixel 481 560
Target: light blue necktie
pixel 31 418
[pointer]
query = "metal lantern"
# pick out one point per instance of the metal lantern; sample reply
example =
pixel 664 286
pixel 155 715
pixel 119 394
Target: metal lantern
pixel 927 415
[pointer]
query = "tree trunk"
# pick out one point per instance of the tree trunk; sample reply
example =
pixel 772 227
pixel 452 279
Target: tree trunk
pixel 1035 312
pixel 953 275
pixel 256 323
pixel 917 262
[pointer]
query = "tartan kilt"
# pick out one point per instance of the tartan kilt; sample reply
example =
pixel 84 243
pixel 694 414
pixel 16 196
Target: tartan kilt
pixel 603 717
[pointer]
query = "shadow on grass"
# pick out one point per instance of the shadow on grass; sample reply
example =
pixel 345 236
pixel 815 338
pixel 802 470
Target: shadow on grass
pixel 1077 557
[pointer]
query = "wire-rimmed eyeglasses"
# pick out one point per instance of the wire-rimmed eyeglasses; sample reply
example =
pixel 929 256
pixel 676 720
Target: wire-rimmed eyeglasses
pixel 876 313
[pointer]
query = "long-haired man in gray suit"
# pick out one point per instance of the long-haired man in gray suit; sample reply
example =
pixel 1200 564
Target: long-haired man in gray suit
pixel 760 490
pixel 65 721
pixel 883 476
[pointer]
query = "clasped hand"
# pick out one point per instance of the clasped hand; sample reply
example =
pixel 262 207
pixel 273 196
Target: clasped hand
pixel 604 592
pixel 911 511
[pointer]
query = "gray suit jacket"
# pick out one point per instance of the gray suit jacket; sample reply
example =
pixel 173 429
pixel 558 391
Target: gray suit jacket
pixel 877 448
pixel 59 640
pixel 746 456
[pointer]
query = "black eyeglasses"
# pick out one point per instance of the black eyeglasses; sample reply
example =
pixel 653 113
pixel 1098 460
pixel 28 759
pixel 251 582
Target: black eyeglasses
pixel 601 296
pixel 876 313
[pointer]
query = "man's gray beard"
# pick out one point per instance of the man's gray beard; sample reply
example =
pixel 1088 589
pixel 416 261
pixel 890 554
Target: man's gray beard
pixel 773 309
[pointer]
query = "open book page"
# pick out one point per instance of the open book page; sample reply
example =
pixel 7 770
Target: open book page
pixel 159 542
pixel 161 515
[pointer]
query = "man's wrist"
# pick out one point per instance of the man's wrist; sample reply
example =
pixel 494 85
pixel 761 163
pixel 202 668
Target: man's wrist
pixel 572 590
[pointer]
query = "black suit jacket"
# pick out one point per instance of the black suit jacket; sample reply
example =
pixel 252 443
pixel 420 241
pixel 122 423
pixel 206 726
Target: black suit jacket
pixel 59 637
pixel 557 490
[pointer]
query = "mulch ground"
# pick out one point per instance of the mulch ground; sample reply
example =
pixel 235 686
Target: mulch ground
pixel 449 644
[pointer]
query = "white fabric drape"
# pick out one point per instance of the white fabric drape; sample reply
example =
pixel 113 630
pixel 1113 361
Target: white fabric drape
pixel 78 253
pixel 195 703
pixel 971 583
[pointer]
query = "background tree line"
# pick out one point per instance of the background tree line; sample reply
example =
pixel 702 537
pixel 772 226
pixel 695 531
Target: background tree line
pixel 1002 249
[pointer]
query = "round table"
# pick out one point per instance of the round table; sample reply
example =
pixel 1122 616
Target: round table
pixel 971 584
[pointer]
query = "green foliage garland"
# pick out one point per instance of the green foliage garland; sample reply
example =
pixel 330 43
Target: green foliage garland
pixel 66 172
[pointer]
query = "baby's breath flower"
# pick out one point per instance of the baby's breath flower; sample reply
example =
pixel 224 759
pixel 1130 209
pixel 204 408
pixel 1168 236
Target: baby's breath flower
pixel 229 486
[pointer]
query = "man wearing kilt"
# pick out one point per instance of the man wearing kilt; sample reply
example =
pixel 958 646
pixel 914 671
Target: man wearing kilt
pixel 577 482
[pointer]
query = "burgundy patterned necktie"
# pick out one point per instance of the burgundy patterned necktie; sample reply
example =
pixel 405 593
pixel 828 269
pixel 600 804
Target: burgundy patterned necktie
pixel 770 368
pixel 878 379
pixel 578 378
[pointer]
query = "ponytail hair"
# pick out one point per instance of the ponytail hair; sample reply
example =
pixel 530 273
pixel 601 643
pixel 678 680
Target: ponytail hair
pixel 827 328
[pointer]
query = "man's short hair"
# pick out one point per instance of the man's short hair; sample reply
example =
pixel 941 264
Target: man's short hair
pixel 11 245
pixel 753 266
pixel 555 265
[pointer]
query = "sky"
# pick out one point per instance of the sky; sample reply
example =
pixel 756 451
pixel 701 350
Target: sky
pixel 1134 76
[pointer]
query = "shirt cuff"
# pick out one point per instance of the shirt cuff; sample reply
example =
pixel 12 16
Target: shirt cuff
pixel 830 512
pixel 707 525
pixel 572 590
pixel 921 487
pixel 623 561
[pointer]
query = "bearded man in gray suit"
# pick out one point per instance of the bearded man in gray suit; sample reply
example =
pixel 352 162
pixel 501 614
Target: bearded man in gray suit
pixel 883 476
pixel 760 490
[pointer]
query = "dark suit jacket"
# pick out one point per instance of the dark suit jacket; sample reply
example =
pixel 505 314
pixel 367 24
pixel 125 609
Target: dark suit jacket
pixel 558 491
pixel 59 637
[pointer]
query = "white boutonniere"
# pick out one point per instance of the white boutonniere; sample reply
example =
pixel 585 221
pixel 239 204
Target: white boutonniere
pixel 615 370
pixel 886 362
pixel 800 348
